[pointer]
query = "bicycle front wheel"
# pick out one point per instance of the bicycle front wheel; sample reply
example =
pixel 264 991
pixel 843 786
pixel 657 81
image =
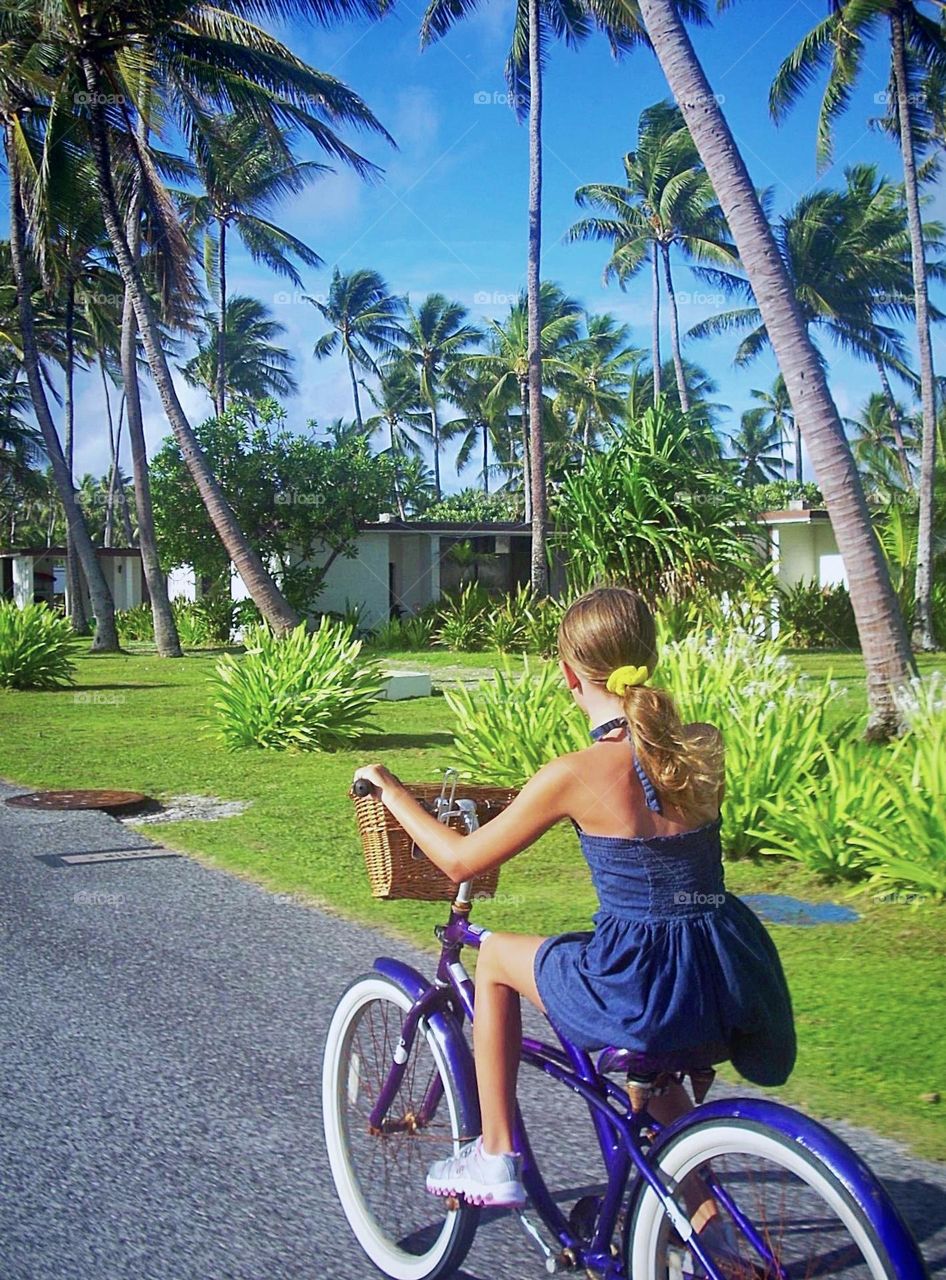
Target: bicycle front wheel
pixel 783 1209
pixel 380 1171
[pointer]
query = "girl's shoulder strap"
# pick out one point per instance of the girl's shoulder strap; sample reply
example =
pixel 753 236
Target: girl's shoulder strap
pixel 650 791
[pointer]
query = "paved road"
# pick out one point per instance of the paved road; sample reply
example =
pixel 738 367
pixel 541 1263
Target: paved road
pixel 161 1027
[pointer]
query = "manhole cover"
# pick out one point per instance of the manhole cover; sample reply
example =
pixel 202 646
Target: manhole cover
pixel 107 800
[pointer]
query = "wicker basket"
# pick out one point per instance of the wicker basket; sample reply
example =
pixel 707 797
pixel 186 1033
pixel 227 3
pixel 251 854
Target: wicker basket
pixel 396 867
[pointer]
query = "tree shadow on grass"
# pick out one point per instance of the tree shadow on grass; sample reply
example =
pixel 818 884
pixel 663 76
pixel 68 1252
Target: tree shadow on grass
pixel 418 741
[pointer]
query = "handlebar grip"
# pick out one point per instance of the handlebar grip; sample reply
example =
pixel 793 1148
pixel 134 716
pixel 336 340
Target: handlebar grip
pixel 362 787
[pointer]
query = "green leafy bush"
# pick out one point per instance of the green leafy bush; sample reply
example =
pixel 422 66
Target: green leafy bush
pixel 813 617
pixel 305 690
pixel 199 625
pixel 772 719
pixel 136 623
pixel 407 633
pixel 510 725
pixel 37 647
pixel 462 622
pixel 908 850
pixel 818 822
pixel 472 506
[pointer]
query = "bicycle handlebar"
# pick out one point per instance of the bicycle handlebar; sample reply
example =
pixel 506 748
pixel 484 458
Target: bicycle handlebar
pixel 362 787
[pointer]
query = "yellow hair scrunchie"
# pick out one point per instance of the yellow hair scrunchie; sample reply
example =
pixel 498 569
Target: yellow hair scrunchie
pixel 623 678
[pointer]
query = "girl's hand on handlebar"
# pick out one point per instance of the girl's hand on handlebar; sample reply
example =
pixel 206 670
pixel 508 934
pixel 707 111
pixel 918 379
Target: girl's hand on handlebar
pixel 380 777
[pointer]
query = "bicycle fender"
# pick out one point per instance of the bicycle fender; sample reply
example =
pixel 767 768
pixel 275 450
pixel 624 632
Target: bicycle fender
pixel 855 1176
pixel 443 1027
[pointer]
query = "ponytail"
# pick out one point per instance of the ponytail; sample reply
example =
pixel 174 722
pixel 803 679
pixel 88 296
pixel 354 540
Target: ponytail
pixel 686 769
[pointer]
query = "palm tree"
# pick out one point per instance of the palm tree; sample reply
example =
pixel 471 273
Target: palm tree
pixel 704 410
pixel 365 322
pixel 848 255
pixel 200 59
pixel 400 411
pixel 667 201
pixel 255 367
pixel 507 362
pixel 840 39
pixel 774 409
pixel 436 336
pixel 483 422
pixel 882 449
pixel 244 169
pixel 593 376
pixel 880 624
pixel 756 447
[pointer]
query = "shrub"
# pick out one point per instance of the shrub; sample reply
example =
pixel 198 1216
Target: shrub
pixel 408 633
pixel 909 849
pixel 771 716
pixel 304 690
pixel 37 647
pixel 510 725
pixel 462 623
pixel 198 627
pixel 818 822
pixel 813 617
pixel 136 623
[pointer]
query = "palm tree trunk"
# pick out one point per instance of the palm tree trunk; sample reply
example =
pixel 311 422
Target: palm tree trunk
pixel 675 333
pixel 105 639
pixel 221 397
pixel 166 639
pixel 354 388
pixel 924 636
pixel 896 426
pixel 435 437
pixel 540 567
pixel 485 426
pixel 655 321
pixel 75 602
pixel 798 458
pixel 270 601
pixel 396 459
pixel 113 467
pixel 524 445
pixel 880 626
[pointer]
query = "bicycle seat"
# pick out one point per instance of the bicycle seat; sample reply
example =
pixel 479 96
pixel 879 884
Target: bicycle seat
pixel 642 1065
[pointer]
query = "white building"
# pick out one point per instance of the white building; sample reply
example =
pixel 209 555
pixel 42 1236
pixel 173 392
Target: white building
pixel 29 574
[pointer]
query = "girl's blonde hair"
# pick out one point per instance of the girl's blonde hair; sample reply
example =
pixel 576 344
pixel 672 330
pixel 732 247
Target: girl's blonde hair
pixel 612 627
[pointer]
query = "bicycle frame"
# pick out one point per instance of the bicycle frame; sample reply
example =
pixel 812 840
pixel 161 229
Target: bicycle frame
pixel 619 1131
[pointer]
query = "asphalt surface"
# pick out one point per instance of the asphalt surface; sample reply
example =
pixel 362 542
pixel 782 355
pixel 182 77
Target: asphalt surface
pixel 161 1033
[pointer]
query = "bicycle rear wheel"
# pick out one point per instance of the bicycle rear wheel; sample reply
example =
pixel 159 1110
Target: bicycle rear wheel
pixel 786 1207
pixel 380 1176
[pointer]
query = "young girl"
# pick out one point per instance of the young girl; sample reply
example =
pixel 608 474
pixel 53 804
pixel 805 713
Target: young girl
pixel 676 969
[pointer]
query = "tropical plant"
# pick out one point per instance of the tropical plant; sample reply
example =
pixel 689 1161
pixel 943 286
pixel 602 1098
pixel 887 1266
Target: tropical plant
pixel 817 824
pixel 436 335
pixel 592 376
pixel 399 413
pixel 772 414
pixel 403 634
pixel 365 323
pixel 201 61
pixel 815 617
pixel 471 506
pixel 756 446
pixel 136 623
pixel 302 691
pixel 253 366
pixel 37 647
pixel 508 726
pixel 658 509
pixel 667 202
pixel 462 619
pixel 838 41
pixel 773 721
pixel 883 638
pixel 244 168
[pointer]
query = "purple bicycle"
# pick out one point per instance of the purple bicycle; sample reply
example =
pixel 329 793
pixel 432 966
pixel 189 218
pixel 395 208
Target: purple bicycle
pixel 399 1091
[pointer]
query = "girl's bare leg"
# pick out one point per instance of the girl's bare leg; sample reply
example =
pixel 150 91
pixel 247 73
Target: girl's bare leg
pixel 699 1202
pixel 504 972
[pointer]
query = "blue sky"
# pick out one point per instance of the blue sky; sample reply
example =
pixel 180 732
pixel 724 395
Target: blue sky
pixel 449 212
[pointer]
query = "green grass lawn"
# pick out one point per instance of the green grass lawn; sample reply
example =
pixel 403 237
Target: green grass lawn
pixel 869 996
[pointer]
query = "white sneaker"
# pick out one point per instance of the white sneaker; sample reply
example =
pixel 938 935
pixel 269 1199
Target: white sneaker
pixel 479 1178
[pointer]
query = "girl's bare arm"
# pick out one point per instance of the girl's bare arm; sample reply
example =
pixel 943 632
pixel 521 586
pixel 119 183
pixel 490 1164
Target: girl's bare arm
pixel 541 803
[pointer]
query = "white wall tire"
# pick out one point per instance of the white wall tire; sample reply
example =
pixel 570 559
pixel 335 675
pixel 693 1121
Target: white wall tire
pixel 340 1085
pixel 646 1250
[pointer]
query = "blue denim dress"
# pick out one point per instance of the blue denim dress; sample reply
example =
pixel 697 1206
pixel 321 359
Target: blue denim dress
pixel 676 969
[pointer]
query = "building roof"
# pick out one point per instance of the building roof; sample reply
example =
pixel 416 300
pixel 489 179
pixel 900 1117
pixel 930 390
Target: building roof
pixel 478 527
pixel 37 553
pixel 795 515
